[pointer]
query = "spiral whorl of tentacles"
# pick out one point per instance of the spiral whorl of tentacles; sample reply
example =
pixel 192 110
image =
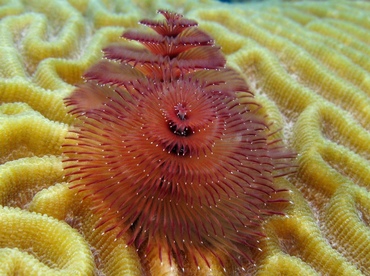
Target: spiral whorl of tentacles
pixel 169 146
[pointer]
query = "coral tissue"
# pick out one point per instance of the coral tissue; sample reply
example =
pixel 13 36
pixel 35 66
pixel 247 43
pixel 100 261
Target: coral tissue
pixel 169 146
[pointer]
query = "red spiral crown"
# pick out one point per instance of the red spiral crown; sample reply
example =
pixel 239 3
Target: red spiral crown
pixel 168 145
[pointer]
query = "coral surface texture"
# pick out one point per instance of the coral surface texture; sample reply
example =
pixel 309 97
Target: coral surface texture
pixel 306 62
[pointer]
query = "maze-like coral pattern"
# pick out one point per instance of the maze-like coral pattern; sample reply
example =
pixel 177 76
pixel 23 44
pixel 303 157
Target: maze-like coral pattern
pixel 308 64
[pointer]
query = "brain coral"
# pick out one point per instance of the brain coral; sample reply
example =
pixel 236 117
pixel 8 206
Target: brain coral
pixel 308 65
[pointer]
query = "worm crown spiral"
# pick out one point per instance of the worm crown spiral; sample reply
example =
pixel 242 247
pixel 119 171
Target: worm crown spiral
pixel 168 144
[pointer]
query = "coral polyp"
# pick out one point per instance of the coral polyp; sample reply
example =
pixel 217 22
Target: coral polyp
pixel 169 145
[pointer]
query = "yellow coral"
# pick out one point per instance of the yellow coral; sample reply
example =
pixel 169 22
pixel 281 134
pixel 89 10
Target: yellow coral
pixel 308 64
pixel 34 244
